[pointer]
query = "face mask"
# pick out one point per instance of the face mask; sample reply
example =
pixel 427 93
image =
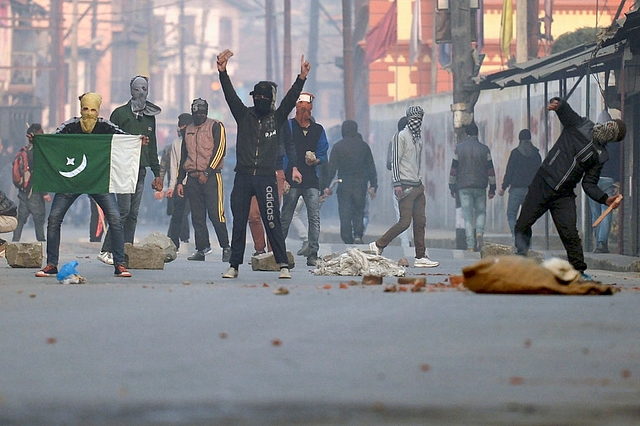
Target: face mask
pixel 303 114
pixel 139 91
pixel 88 120
pixel 263 106
pixel 605 132
pixel 198 119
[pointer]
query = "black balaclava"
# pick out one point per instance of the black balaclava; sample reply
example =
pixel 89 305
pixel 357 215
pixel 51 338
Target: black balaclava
pixel 199 111
pixel 264 97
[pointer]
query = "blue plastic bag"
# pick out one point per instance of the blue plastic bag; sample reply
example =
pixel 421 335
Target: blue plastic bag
pixel 67 270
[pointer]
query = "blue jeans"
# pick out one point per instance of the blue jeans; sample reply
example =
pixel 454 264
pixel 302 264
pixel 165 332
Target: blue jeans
pixel 602 231
pixel 311 197
pixel 129 206
pixel 59 207
pixel 474 203
pixel 516 198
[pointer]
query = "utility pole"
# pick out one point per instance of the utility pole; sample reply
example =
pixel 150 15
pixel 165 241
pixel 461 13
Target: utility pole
pixel 73 63
pixel 522 45
pixel 56 73
pixel 347 48
pixel 314 17
pixel 93 58
pixel 286 74
pixel 269 37
pixel 465 94
pixel 181 48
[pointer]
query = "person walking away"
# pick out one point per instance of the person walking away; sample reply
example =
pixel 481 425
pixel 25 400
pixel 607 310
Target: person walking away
pixel 609 182
pixel 523 164
pixel 406 171
pixel 203 149
pixel 471 171
pixel 311 145
pixel 136 117
pixel 352 159
pixel 89 122
pixel 257 148
pixel 8 219
pixel 29 202
pixel 578 155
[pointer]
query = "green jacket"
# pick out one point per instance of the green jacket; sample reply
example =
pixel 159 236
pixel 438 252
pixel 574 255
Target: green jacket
pixel 126 120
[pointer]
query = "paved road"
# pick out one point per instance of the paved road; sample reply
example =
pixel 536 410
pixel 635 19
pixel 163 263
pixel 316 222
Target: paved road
pixel 183 346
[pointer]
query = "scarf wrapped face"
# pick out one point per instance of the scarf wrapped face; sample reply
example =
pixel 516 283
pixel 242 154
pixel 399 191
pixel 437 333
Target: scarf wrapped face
pixel 89 111
pixel 606 132
pixel 139 92
pixel 414 116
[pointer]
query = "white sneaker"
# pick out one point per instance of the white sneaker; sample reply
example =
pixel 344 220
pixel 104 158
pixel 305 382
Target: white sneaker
pixel 375 249
pixel 285 273
pixel 231 273
pixel 425 262
pixel 106 257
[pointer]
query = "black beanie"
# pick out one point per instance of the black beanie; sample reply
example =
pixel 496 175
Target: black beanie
pixel 525 135
pixel 264 88
pixel 184 119
pixel 471 129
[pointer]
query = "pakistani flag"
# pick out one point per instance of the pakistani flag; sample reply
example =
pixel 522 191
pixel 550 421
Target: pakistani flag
pixel 85 163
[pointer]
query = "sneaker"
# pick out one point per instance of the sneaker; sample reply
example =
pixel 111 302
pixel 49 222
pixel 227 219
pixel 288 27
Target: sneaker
pixel 304 250
pixel 226 254
pixel 199 256
pixel 207 251
pixel 258 253
pixel 122 272
pixel 47 271
pixel 312 260
pixel 425 262
pixel 3 247
pixel 585 277
pixel 285 273
pixel 231 273
pixel 106 257
pixel 373 247
pixel 357 240
pixel 479 241
pixel 601 248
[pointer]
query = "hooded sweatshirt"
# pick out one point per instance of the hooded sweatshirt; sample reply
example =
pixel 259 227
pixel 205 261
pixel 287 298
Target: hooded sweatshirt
pixel 351 157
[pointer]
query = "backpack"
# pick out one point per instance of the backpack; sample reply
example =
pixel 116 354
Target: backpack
pixel 21 175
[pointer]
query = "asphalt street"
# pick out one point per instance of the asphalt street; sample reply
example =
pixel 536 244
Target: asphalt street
pixel 182 346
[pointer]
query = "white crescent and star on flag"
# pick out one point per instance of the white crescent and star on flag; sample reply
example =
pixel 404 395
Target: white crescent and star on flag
pixel 77 170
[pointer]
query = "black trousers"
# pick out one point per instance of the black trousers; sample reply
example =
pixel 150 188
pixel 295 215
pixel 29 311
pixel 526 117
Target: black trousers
pixel 562 205
pixel 179 223
pixel 265 188
pixel 351 201
pixel 207 200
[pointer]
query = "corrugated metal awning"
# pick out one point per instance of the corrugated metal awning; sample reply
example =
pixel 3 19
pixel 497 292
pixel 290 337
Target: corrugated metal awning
pixel 574 62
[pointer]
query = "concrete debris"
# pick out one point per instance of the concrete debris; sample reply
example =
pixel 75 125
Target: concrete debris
pixel 24 255
pixel 354 262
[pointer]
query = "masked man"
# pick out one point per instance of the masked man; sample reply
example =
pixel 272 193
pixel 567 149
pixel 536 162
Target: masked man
pixel 311 145
pixel 578 155
pixel 136 117
pixel 257 149
pixel 203 149
pixel 87 123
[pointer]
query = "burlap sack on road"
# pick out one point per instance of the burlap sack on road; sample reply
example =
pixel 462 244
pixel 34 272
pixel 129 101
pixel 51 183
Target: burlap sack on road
pixel 520 275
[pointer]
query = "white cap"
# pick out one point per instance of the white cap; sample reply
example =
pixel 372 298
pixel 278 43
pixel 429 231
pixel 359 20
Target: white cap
pixel 305 97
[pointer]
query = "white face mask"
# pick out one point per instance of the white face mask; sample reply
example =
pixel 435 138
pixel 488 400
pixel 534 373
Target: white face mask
pixel 139 93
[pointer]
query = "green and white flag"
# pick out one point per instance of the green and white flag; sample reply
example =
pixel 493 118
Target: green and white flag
pixel 85 163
